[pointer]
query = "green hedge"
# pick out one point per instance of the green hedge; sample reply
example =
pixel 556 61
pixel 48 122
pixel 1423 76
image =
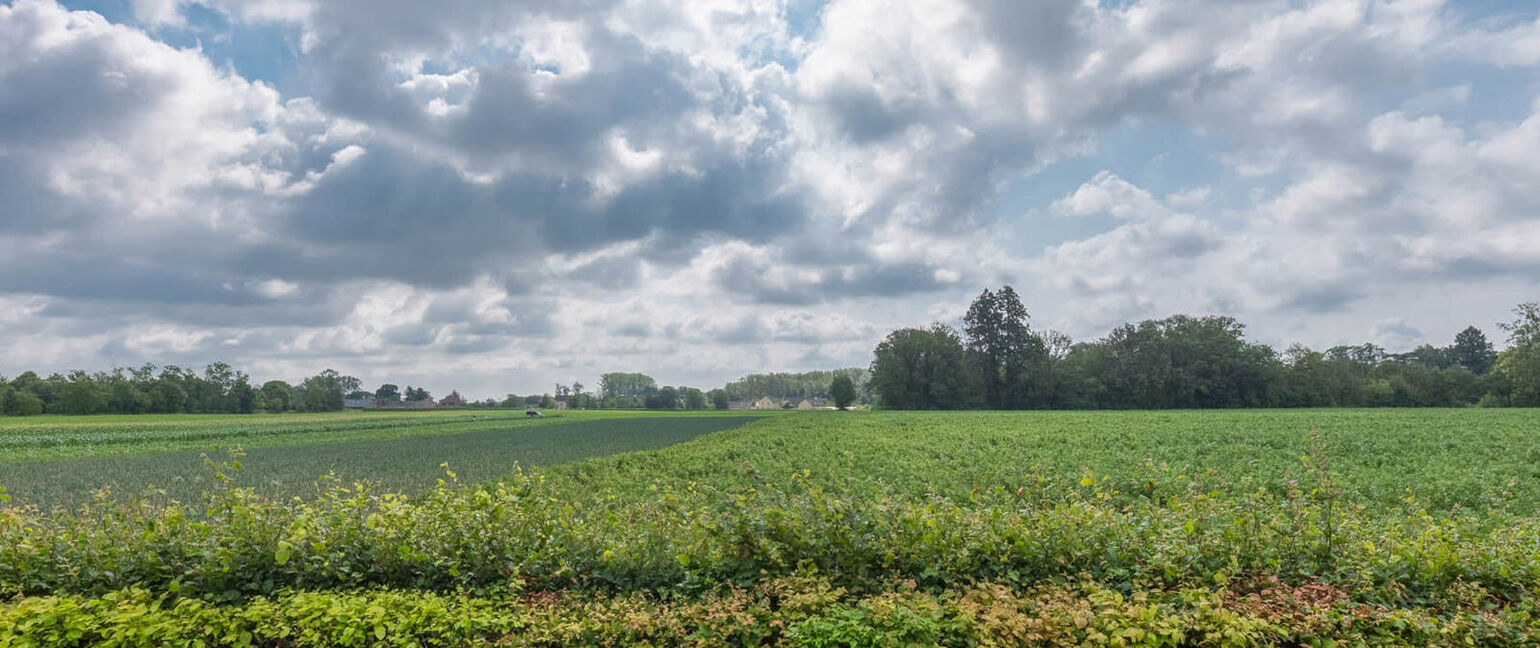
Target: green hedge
pixel 528 530
pixel 799 611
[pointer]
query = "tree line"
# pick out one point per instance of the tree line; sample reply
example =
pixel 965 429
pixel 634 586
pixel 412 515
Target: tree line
pixel 617 390
pixel 797 386
pixel 219 388
pixel 146 389
pixel 631 390
pixel 998 361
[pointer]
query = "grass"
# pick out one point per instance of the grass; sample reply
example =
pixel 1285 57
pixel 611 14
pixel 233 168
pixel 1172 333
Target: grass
pixel 1379 527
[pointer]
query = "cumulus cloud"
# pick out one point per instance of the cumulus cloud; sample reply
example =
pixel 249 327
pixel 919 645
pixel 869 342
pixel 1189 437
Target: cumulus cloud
pixel 508 194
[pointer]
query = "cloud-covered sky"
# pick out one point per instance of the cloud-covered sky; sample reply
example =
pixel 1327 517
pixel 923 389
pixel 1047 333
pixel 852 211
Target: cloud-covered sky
pixel 495 196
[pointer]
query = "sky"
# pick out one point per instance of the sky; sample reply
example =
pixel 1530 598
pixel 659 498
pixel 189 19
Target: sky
pixel 495 197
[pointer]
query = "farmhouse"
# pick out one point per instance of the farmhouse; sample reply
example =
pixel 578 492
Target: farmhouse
pixel 765 403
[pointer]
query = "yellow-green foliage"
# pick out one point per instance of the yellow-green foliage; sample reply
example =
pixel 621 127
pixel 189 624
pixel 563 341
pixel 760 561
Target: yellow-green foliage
pixel 800 611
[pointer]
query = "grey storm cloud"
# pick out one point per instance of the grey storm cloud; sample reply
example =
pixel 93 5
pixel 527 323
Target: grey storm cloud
pixel 632 330
pixel 390 216
pixel 1321 299
pixel 748 278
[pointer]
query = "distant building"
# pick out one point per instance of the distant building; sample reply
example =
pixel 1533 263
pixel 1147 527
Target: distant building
pixel 425 403
pixel 766 403
pixel 740 405
pixel 375 403
pixel 805 404
pixel 452 400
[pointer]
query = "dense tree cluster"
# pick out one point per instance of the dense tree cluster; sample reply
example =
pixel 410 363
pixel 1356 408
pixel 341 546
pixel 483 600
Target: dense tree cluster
pixel 171 389
pixel 797 386
pixel 998 361
pixel 619 390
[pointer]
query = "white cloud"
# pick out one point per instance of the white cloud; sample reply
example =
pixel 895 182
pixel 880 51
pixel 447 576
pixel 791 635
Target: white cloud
pixel 519 194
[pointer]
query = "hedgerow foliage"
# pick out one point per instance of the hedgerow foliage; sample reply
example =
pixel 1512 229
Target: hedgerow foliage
pixel 805 611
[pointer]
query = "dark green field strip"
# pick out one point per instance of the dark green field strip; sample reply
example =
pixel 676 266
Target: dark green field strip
pixel 105 438
pixel 399 465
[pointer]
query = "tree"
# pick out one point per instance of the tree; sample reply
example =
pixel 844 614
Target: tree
pixel 417 394
pixel 667 398
pixel 843 390
pixel 452 400
pixel 694 399
pixel 921 369
pixel 619 389
pixel 125 397
pixel 168 397
pixel 81 395
pixel 1184 361
pixel 718 399
pixel 512 401
pixel 1520 362
pixel 1003 349
pixel 21 402
pixel 546 402
pixel 278 396
pixel 323 392
pixel 1473 351
pixel 31 383
pixel 218 378
pixel 1524 330
pixel 1429 356
pixel 243 398
pixel 1520 369
pixel 791 386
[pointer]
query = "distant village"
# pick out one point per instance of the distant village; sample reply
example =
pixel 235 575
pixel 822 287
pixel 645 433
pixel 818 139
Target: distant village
pixel 424 402
pixel 768 403
pixel 561 402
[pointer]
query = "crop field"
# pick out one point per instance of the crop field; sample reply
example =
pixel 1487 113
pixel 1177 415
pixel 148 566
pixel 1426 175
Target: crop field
pixel 58 437
pixel 1191 528
pixel 393 460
